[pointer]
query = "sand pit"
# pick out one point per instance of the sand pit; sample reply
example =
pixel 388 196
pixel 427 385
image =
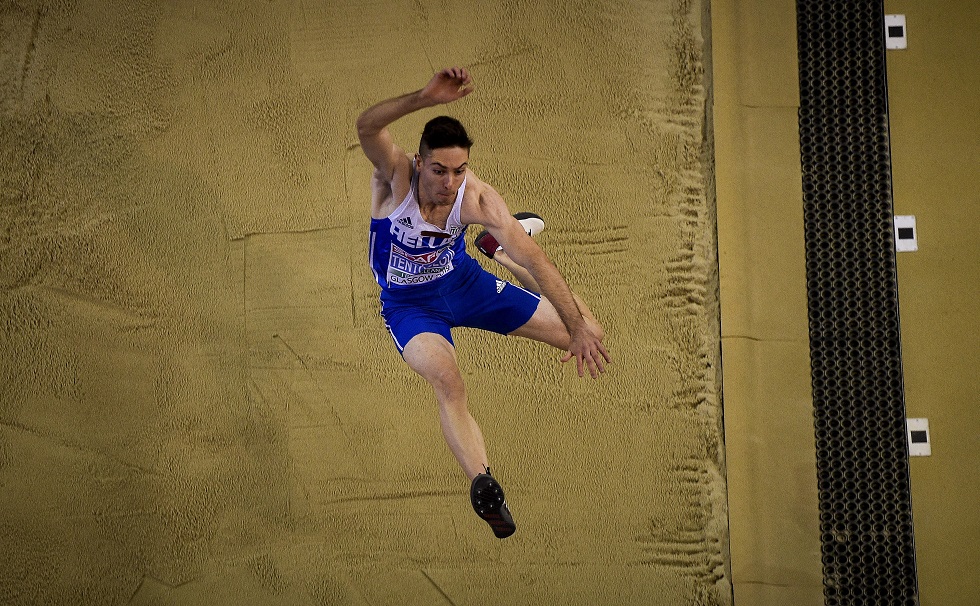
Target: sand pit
pixel 199 403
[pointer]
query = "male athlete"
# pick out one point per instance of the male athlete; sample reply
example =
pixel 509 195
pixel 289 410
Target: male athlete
pixel 420 208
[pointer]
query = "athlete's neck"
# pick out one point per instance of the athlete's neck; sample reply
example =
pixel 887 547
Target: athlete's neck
pixel 435 210
pixel 435 213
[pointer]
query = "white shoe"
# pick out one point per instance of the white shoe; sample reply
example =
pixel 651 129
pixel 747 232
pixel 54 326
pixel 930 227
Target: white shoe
pixel 533 224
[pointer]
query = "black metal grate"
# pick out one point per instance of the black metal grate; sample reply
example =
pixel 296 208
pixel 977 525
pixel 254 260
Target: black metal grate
pixel 855 344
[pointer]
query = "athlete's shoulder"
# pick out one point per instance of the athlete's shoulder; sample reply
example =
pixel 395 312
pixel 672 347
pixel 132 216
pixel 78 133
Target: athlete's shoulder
pixel 471 209
pixel 479 189
pixel 473 182
pixel 481 202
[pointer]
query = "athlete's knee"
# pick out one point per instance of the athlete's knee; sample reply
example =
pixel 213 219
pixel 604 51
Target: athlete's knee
pixel 597 329
pixel 448 383
pixel 452 402
pixel 453 407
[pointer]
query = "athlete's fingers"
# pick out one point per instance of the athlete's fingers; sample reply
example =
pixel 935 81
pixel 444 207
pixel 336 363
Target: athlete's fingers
pixel 605 354
pixel 586 361
pixel 599 364
pixel 465 82
pixel 593 370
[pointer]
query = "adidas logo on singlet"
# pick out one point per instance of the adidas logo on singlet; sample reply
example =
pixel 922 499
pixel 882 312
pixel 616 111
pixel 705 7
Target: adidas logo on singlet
pixel 407 222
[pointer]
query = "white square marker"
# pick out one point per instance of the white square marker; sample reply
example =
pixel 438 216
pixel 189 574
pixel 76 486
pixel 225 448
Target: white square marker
pixel 906 235
pixel 920 443
pixel 896 35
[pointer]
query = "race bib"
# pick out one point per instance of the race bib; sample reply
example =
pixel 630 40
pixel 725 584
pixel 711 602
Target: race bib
pixel 406 269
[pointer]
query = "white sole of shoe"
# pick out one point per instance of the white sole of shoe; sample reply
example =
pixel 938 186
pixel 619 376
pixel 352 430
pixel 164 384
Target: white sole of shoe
pixel 532 226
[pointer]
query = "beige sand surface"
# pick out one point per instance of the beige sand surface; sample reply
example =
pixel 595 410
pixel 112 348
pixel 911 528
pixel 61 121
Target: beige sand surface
pixel 198 401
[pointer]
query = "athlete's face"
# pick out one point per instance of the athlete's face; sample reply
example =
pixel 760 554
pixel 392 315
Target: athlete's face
pixel 441 174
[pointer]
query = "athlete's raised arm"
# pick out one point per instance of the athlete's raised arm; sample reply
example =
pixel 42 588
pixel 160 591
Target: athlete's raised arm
pixel 446 86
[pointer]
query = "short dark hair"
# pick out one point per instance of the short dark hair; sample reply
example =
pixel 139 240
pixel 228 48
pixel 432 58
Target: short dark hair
pixel 443 131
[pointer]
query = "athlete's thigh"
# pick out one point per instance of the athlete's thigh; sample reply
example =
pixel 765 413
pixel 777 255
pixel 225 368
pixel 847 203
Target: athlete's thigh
pixel 492 304
pixel 546 326
pixel 407 318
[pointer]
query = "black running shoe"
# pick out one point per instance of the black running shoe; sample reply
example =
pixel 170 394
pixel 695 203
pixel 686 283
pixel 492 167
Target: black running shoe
pixel 488 502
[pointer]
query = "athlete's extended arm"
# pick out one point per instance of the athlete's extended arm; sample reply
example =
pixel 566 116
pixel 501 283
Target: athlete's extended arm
pixel 372 125
pixel 585 346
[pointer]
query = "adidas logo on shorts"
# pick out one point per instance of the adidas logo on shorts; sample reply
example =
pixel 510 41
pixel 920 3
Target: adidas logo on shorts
pixel 500 286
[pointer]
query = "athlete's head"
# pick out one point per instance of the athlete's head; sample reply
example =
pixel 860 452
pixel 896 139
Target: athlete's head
pixel 444 152
pixel 441 132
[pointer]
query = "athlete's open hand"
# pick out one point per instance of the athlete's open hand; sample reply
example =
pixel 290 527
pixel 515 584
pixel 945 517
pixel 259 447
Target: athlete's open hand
pixel 588 351
pixel 448 85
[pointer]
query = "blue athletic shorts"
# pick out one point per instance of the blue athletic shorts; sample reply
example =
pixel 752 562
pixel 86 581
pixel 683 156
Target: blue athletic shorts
pixel 467 296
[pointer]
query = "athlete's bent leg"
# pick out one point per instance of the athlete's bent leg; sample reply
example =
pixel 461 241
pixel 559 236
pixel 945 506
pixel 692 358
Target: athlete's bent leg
pixel 434 358
pixel 527 281
pixel 546 325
